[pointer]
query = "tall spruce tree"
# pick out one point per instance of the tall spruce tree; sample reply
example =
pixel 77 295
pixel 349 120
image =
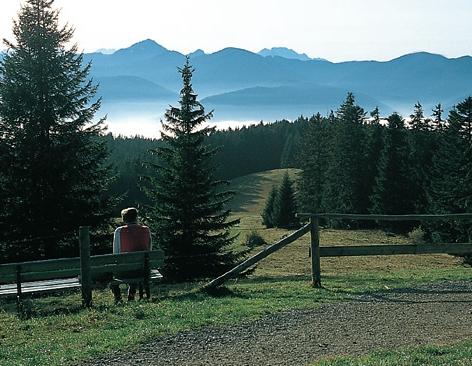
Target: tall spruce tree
pixel 189 213
pixel 375 140
pixel 422 143
pixel 451 180
pixel 52 159
pixel 285 206
pixel 343 186
pixel 268 212
pixel 313 160
pixel 438 122
pixel 392 192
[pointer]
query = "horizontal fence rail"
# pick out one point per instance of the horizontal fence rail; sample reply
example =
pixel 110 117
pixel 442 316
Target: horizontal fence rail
pixel 461 216
pixel 381 249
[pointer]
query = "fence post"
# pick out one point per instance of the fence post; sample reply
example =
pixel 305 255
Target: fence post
pixel 315 252
pixel 18 289
pixel 147 275
pixel 85 273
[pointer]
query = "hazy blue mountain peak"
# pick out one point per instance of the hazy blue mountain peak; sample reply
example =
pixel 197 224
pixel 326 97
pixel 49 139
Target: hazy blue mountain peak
pixel 232 51
pixel 283 52
pixel 146 47
pixel 197 53
pixel 419 56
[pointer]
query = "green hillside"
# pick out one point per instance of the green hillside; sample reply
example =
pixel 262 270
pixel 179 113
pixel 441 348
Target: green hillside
pixel 252 190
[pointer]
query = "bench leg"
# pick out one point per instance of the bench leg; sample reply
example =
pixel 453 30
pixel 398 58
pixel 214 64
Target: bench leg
pixel 132 290
pixel 19 307
pixel 18 290
pixel 115 289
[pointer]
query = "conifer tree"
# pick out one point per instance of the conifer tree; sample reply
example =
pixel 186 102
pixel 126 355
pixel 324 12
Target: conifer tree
pixel 343 188
pixel 438 123
pixel 313 162
pixel 285 206
pixel 52 159
pixel 451 180
pixel 189 213
pixel 374 145
pixel 417 121
pixel 268 212
pixel 422 144
pixel 392 191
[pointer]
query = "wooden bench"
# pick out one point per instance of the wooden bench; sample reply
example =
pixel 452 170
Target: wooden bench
pixel 17 279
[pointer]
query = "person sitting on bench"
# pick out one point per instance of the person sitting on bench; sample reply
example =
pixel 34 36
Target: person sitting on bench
pixel 130 237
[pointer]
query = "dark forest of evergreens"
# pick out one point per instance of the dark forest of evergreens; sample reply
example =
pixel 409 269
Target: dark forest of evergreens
pixel 241 151
pixel 352 161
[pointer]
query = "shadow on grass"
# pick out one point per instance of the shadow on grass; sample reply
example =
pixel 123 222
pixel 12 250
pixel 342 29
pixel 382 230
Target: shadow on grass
pixel 392 295
pixel 248 193
pixel 402 292
pixel 273 279
pixel 41 306
pixel 336 287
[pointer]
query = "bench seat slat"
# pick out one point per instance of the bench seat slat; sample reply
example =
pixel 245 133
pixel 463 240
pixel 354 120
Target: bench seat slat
pixel 41 286
pixel 155 275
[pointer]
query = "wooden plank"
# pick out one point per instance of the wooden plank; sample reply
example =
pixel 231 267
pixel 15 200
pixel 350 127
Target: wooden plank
pixel 156 255
pixel 51 265
pixel 156 275
pixel 123 258
pixel 315 252
pixel 117 268
pixel 41 286
pixel 361 250
pixel 37 266
pixel 461 216
pixel 85 274
pixel 8 278
pixel 46 275
pixel 256 258
pixel 52 282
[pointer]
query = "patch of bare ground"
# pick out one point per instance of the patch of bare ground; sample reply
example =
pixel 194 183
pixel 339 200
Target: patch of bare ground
pixel 433 314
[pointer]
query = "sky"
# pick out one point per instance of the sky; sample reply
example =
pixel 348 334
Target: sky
pixel 338 30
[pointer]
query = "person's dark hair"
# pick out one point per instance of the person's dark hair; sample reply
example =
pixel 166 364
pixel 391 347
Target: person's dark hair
pixel 129 215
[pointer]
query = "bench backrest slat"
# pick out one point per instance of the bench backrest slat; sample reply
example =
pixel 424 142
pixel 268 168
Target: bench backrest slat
pixel 50 275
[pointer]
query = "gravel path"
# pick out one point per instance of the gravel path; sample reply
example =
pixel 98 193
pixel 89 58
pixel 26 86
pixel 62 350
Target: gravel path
pixel 435 314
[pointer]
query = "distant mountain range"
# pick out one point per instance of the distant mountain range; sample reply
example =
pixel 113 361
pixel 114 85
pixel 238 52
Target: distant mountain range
pixel 283 52
pixel 279 82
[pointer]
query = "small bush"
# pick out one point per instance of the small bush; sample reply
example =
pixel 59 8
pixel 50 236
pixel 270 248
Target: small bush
pixel 139 313
pixel 254 239
pixel 417 235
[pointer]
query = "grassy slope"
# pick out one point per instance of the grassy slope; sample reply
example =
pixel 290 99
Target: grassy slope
pixel 59 331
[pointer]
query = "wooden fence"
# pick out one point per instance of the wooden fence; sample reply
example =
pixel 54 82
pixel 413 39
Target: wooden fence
pixel 318 251
pixel 377 249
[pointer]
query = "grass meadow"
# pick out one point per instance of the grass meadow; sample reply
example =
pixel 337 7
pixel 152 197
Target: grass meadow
pixel 57 331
